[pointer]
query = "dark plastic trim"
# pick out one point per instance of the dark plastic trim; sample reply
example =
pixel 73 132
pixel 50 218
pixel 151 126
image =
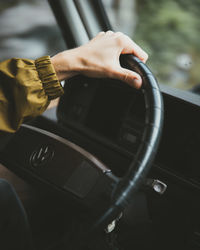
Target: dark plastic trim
pixel 183 95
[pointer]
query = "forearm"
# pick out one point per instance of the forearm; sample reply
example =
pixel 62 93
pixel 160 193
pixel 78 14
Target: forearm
pixel 66 64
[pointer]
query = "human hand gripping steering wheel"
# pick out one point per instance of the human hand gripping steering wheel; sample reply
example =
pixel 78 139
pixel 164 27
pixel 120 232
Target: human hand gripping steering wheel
pixel 99 58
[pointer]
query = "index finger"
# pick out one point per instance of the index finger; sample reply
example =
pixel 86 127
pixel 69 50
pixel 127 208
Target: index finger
pixel 130 47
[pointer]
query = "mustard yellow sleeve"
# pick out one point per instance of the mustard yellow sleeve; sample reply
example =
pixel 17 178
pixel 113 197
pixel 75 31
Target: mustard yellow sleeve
pixel 26 87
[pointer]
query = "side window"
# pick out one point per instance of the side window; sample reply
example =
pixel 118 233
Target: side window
pixel 169 31
pixel 28 30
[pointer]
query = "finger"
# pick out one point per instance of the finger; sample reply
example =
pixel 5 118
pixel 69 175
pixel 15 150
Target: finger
pixel 99 34
pixel 136 50
pixel 130 47
pixel 128 76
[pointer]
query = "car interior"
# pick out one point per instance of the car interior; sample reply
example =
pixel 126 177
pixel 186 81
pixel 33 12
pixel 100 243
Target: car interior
pixel 111 167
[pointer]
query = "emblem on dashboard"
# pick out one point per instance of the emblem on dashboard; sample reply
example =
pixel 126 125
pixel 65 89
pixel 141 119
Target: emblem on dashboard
pixel 41 156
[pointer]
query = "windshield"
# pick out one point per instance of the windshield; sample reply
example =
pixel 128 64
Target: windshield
pixel 168 31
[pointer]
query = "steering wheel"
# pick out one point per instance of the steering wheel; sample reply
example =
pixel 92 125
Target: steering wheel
pixel 140 165
pixel 26 158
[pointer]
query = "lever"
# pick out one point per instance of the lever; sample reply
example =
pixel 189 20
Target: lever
pixel 157 185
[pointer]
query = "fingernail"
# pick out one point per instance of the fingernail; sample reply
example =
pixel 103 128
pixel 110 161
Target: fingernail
pixel 137 83
pixel 145 57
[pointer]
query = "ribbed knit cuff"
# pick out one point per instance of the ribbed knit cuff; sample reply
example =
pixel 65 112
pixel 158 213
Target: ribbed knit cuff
pixel 47 75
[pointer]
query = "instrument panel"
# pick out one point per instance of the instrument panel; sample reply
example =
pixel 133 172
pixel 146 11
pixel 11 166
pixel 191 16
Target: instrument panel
pixel 105 109
pixel 112 115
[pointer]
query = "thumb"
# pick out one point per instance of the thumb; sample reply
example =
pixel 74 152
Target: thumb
pixel 128 76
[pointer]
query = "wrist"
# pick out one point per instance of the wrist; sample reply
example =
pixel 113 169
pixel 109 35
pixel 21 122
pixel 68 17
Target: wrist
pixel 66 64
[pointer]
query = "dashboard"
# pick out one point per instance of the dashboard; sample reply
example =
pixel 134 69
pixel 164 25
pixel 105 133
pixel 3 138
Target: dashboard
pixel 106 117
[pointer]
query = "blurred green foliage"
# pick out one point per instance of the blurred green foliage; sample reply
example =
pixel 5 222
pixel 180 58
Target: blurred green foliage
pixel 166 29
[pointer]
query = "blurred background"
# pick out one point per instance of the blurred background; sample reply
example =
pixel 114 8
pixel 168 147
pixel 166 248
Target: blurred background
pixel 167 29
pixel 28 29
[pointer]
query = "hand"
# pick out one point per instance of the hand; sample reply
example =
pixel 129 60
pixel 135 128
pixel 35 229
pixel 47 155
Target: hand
pixel 100 58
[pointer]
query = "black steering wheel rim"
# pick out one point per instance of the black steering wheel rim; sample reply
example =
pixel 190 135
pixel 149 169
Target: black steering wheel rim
pixel 145 155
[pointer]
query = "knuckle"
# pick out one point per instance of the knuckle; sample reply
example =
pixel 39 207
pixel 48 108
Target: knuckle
pixel 101 33
pixel 119 33
pixel 119 40
pixel 125 76
pixel 109 32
